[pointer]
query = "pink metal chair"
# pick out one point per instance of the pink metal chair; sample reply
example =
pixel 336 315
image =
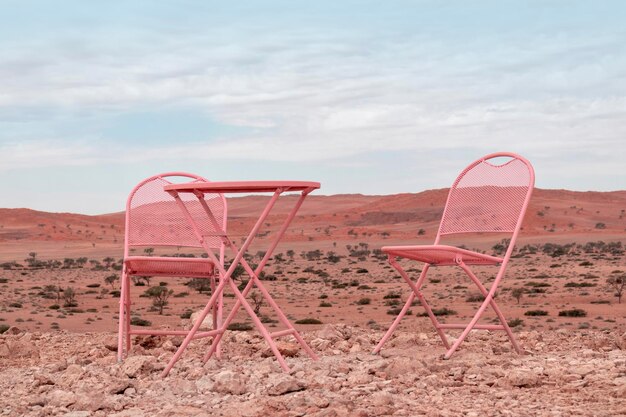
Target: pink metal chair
pixel 489 196
pixel 154 220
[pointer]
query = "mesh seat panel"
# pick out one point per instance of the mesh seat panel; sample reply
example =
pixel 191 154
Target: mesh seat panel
pixel 170 267
pixel 441 255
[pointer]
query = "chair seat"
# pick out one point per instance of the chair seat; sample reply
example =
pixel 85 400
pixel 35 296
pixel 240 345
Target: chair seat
pixel 169 266
pixel 441 255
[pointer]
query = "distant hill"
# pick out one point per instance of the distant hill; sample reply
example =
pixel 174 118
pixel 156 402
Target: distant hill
pixel 340 217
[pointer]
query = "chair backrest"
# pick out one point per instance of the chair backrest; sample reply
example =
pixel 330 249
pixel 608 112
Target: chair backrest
pixel 489 196
pixel 153 218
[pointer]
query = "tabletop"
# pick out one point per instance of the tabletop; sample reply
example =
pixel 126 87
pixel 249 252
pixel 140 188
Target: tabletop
pixel 242 186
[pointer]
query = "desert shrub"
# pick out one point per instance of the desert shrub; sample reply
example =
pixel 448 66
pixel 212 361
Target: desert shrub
pixel 325 304
pixel 515 322
pixel 92 310
pixel 364 287
pixel 4 328
pixel 579 284
pixel 364 301
pixel 601 302
pixel 239 326
pixel 434 281
pixel 138 321
pixel 308 321
pixel 475 298
pixel 54 307
pixel 323 296
pixel 395 311
pixel 537 284
pixel 186 314
pixel 391 294
pixel 440 312
pixel 575 312
pixel 600 225
pixel 586 263
pixel 536 313
pixel 116 293
pixel 93 285
pixel 3 280
pixel 15 305
pixel 362 271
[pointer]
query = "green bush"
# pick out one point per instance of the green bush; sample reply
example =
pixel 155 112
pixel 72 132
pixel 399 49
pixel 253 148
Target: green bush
pixel 575 312
pixel 579 284
pixel 239 327
pixel 391 294
pixel 440 312
pixel 138 321
pixel 308 321
pixel 536 313
pixel 475 298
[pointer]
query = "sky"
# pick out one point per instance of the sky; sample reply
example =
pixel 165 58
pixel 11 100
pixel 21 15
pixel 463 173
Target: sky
pixel 370 97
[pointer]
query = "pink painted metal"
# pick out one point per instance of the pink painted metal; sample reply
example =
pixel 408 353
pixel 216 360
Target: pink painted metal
pixel 487 197
pixel 200 190
pixel 153 219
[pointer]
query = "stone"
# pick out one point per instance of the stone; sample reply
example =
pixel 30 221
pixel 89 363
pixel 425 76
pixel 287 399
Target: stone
pixel 280 384
pixel 207 323
pixel 229 382
pixel 523 377
pixel 135 366
pixel 61 398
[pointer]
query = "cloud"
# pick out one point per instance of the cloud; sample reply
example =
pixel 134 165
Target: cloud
pixel 320 92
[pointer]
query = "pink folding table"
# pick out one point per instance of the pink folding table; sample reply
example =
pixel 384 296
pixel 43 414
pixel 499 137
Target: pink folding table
pixel 199 189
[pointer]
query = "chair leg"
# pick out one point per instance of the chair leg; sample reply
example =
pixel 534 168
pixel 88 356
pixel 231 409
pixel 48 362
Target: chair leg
pixel 415 292
pixel 494 305
pixel 127 316
pixel 121 333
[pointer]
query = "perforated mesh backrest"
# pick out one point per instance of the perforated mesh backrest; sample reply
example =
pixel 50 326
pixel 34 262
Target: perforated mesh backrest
pixel 154 217
pixel 488 197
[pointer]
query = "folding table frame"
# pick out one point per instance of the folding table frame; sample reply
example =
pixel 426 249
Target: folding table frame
pixel 248 187
pixel 487 197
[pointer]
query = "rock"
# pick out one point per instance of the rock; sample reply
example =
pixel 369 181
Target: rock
pixel 13 330
pixel 320 345
pixel 288 349
pixel 134 366
pixel 111 343
pixel 78 414
pixel 523 377
pixel 334 333
pixel 279 384
pixel 60 398
pixel 19 349
pixel 229 382
pixel 207 323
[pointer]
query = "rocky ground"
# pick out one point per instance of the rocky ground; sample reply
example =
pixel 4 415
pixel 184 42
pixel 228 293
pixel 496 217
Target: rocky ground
pixel 563 373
